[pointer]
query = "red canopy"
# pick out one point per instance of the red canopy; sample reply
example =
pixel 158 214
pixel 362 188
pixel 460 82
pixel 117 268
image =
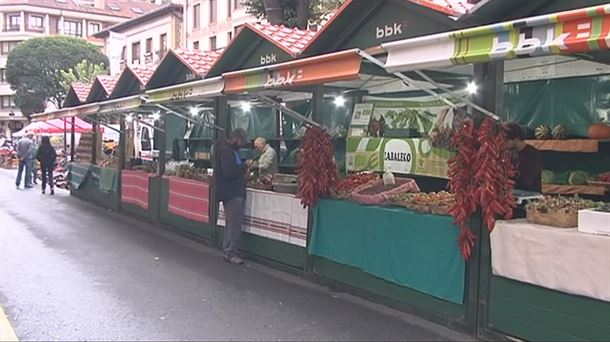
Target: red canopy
pixel 57 126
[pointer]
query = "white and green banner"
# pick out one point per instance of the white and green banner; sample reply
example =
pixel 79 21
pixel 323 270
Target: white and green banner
pixel 414 156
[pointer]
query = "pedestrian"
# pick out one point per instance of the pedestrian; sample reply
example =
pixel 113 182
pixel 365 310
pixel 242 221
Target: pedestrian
pixel 33 155
pixel 267 163
pixel 230 183
pixel 24 153
pixel 47 156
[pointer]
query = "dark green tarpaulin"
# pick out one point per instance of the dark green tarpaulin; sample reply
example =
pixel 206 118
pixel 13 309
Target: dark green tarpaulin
pixel 78 174
pixel 413 250
pixel 575 102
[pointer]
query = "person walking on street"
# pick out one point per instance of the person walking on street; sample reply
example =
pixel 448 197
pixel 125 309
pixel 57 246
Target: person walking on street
pixel 230 182
pixel 24 153
pixel 33 156
pixel 47 156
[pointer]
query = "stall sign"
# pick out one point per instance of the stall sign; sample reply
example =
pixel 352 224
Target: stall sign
pixel 187 91
pixel 568 32
pixel 414 156
pixel 268 59
pixel 339 66
pixel 120 106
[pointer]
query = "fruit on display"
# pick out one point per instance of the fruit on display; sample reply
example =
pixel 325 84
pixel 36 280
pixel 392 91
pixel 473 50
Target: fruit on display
pixel 543 132
pixel 604 177
pixel 559 132
pixel 578 178
pixel 558 211
pixel 262 182
pixel 604 208
pixel 437 203
pixel 599 131
pixel 378 192
pixel 547 177
pixel 353 182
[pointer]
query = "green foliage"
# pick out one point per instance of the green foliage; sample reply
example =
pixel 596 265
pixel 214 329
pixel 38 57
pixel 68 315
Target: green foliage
pixel 318 10
pixel 84 72
pixel 33 69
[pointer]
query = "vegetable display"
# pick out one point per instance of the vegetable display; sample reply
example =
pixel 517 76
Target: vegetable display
pixel 437 203
pixel 318 173
pixel 264 182
pixel 558 211
pixel 353 182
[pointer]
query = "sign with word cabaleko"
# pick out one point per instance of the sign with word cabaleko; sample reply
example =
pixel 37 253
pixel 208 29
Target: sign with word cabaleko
pixel 416 156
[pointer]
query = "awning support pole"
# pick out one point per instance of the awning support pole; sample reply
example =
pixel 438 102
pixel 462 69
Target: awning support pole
pixel 450 92
pixel 104 124
pixel 185 117
pixel 279 106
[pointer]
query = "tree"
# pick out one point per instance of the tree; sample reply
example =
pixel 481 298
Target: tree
pixel 292 13
pixel 84 72
pixel 34 67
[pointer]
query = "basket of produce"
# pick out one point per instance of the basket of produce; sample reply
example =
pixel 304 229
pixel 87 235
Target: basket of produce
pixel 437 203
pixel 560 212
pixel 378 192
pixel 284 183
pixel 353 183
pixel 264 182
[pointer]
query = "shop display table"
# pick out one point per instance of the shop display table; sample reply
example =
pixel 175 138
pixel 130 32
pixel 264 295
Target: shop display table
pixel 189 199
pixel 417 251
pixel 556 258
pixel 273 215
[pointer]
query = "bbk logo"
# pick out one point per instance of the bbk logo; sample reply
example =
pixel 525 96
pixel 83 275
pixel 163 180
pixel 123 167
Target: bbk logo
pixel 283 78
pixel 266 59
pixel 388 30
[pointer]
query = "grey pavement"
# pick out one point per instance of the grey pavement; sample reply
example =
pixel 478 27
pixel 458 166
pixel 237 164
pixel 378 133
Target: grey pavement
pixel 72 271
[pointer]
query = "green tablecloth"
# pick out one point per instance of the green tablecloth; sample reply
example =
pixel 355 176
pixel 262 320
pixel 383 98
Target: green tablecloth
pixel 413 250
pixel 78 174
pixel 108 180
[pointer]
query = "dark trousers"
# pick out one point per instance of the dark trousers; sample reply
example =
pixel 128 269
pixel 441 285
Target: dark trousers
pixel 47 175
pixel 234 209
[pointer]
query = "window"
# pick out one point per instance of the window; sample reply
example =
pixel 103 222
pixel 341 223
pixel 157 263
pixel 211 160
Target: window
pixel 196 16
pixel 7 47
pixel 7 102
pixel 73 28
pixel 13 22
pixel 213 43
pixel 124 53
pixel 195 45
pixel 148 45
pixel 94 28
pixel 35 22
pixel 213 11
pixel 229 8
pixel 135 52
pixel 163 43
pixel 2 76
pixel 229 37
pixel 237 4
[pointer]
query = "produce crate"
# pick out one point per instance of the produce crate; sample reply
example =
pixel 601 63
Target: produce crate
pixel 554 218
pixel 285 183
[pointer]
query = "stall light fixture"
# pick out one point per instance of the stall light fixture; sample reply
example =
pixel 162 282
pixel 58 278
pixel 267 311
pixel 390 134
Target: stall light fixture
pixel 339 101
pixel 129 118
pixel 194 111
pixel 156 116
pixel 471 88
pixel 246 106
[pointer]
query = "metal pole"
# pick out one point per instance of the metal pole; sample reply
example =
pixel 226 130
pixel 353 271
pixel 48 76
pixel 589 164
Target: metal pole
pixel 162 147
pixel 286 110
pixel 94 147
pixel 72 139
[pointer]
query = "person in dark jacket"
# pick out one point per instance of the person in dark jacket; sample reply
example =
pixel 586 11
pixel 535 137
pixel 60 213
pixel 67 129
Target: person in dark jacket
pixel 47 156
pixel 230 183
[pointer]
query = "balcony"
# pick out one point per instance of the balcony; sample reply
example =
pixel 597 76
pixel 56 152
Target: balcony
pixel 11 28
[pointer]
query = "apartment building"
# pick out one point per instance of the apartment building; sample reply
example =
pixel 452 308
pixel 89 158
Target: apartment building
pixel 24 19
pixel 212 24
pixel 144 39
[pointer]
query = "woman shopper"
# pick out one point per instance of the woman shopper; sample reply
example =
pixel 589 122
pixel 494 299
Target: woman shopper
pixel 46 156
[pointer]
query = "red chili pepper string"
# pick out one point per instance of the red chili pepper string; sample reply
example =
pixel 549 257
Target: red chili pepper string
pixel 318 173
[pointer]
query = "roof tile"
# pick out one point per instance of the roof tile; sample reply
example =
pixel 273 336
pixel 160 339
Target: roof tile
pixel 108 82
pixel 292 40
pixel 198 61
pixel 454 8
pixel 143 72
pixel 81 90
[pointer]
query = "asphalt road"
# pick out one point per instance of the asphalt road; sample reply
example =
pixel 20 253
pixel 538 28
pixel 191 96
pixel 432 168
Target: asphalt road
pixel 72 271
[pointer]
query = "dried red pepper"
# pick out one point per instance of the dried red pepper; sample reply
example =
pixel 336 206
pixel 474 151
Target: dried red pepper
pixel 318 173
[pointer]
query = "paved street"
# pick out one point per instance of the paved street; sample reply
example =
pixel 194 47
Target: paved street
pixel 72 271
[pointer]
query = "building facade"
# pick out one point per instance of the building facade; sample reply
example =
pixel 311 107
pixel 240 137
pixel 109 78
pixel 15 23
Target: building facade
pixel 212 24
pixel 144 39
pixel 21 20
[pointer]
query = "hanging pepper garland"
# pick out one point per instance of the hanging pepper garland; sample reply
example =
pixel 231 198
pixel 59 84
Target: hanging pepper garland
pixel 480 175
pixel 317 172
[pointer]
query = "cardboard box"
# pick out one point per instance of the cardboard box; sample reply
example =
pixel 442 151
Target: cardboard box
pixel 594 222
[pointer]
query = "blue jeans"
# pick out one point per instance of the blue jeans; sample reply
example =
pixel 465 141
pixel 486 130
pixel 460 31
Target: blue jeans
pixel 27 164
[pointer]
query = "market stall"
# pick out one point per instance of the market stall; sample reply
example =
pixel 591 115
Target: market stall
pixel 188 112
pixel 545 276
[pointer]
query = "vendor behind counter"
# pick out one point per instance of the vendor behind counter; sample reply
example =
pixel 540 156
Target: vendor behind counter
pixel 528 163
pixel 267 163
